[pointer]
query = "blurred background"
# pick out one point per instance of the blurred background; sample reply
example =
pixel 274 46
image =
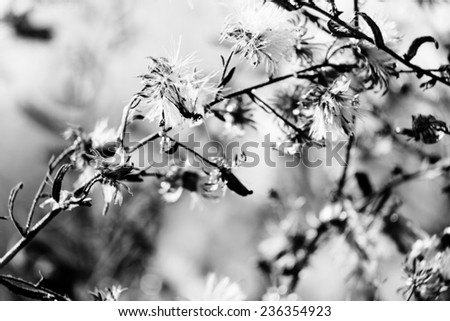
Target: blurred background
pixel 80 64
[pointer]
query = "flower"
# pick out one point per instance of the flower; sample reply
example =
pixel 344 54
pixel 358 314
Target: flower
pixel 428 268
pixel 237 115
pixel 174 91
pixel 262 33
pixel 109 294
pixel 101 143
pixel 334 109
pixel 221 289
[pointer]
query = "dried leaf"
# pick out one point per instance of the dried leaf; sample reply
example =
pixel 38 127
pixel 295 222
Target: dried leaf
pixel 289 5
pixel 57 184
pixel 416 44
pixel 30 290
pixel 378 36
pixel 235 184
pixel 364 183
pixel 11 200
pixel 228 77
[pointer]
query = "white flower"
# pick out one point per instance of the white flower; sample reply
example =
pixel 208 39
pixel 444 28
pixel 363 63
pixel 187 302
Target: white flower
pixel 175 91
pixel 221 290
pixel 102 135
pixel 334 110
pixel 109 294
pixel 112 193
pixel 262 33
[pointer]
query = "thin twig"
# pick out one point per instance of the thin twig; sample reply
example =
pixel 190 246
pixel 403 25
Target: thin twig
pixel 124 122
pixel 193 152
pixel 43 222
pixel 144 141
pixel 263 104
pixel 54 163
pixel 343 177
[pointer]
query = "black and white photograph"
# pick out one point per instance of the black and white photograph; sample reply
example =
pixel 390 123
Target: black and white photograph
pixel 225 150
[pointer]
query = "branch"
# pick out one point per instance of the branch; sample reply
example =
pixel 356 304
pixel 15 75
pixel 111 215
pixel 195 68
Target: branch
pixel 53 164
pixel 42 223
pixel 360 35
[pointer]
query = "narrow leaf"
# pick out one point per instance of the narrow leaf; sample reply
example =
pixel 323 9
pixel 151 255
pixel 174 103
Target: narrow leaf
pixel 416 44
pixel 30 290
pixel 364 183
pixel 11 201
pixel 378 36
pixel 289 5
pixel 235 184
pixel 228 77
pixel 57 184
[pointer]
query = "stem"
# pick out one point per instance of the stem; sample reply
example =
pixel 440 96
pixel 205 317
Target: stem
pixel 144 141
pixel 8 256
pixel 193 152
pixel 126 111
pixel 41 224
pixel 343 178
pixel 297 74
pixel 439 167
pixel 356 11
pixel 51 167
pixel 260 102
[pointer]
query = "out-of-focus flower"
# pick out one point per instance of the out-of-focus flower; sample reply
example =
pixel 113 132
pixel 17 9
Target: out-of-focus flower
pixel 100 143
pixel 205 183
pixel 112 193
pixel 174 91
pixel 237 116
pixel 425 128
pixel 428 269
pixel 287 100
pixel 262 32
pixel 221 289
pixel 335 109
pixel 109 294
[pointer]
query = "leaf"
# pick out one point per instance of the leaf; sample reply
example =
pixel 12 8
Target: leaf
pixel 30 290
pixel 289 5
pixel 235 184
pixel 429 84
pixel 228 77
pixel 364 183
pixel 57 184
pixel 338 31
pixel 378 36
pixel 25 28
pixel 416 44
pixel 11 200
